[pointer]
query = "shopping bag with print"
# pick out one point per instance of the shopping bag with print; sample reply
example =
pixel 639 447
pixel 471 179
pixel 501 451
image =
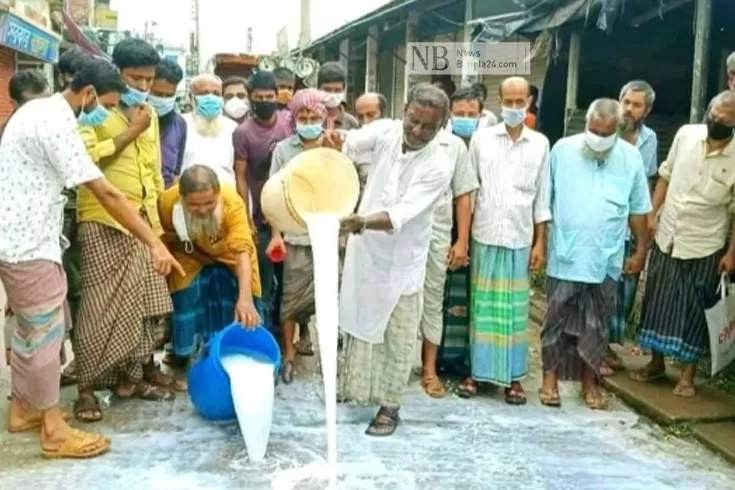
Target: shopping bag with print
pixel 721 326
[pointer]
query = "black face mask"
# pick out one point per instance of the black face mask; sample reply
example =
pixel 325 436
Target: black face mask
pixel 264 110
pixel 718 131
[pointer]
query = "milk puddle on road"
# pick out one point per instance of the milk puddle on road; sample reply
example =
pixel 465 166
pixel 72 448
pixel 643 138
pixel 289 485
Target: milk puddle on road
pixel 251 383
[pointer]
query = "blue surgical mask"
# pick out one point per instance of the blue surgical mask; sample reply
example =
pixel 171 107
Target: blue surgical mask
pixel 162 105
pixel 133 97
pixel 96 117
pixel 309 131
pixel 208 106
pixel 513 117
pixel 464 126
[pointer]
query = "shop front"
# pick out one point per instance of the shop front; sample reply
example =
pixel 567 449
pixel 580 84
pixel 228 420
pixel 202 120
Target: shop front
pixel 23 44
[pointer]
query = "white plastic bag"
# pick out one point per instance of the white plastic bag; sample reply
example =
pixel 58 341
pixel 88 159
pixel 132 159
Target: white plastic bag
pixel 721 326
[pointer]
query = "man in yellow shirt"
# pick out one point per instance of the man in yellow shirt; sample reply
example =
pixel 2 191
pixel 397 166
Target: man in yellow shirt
pixel 123 301
pixel 207 229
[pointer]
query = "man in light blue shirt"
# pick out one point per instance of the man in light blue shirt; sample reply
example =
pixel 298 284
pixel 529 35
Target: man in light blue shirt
pixel 599 187
pixel 636 98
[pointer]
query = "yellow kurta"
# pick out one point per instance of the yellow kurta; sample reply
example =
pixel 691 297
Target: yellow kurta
pixel 135 171
pixel 234 238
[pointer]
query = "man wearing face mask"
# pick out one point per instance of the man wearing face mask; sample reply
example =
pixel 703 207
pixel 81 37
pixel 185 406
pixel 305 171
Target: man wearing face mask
pixel 209 132
pixel 41 145
pixel 171 124
pixel 393 221
pixel 254 141
pixel 124 304
pixel 285 82
pixel 693 206
pixel 297 300
pixel 69 64
pixel 332 79
pixel 456 201
pixel 598 188
pixel 235 96
pixel 508 238
pixel 467 110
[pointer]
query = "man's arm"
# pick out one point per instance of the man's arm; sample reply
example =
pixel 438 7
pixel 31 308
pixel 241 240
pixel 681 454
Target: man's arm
pixel 102 151
pixel 239 241
pixel 363 140
pixel 181 150
pixel 542 202
pixel 464 183
pixel 277 163
pixel 662 186
pixel 640 206
pixel 240 142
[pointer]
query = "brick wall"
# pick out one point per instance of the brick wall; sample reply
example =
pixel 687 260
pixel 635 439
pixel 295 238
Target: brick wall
pixel 7 70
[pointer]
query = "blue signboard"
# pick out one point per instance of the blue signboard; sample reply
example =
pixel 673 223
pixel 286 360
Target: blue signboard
pixel 20 35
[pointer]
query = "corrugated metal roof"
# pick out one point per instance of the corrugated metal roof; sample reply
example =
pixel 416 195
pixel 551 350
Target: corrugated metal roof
pixel 389 8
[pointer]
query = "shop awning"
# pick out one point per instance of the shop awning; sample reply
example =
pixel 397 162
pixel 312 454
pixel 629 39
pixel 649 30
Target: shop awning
pixel 20 35
pixel 75 34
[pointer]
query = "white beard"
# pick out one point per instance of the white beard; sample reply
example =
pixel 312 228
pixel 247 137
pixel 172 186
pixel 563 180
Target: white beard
pixel 204 226
pixel 205 127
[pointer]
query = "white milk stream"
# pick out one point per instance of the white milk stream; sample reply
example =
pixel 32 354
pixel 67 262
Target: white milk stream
pixel 251 383
pixel 324 236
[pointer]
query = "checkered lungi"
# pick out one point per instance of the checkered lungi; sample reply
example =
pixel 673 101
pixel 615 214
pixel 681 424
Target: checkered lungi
pixel 123 301
pixel 379 373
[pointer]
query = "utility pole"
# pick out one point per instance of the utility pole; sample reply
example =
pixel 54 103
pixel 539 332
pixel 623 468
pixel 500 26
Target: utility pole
pixel 249 48
pixel 195 48
pixel 305 34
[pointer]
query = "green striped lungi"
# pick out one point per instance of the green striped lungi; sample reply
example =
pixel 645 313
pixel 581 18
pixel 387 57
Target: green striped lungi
pixel 499 312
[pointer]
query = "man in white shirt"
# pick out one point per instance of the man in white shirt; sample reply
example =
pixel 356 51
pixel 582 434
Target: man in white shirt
pixel 209 132
pixel 693 207
pixel 40 155
pixel 456 201
pixel 508 230
pixel 386 257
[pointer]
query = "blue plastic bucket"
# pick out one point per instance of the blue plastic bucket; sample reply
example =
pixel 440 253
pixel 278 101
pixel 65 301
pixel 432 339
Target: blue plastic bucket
pixel 209 383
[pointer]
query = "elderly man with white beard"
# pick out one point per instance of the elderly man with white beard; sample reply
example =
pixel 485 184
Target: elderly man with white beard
pixel 598 187
pixel 209 132
pixel 206 227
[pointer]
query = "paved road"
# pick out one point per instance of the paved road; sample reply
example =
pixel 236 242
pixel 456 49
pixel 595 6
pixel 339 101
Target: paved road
pixel 448 444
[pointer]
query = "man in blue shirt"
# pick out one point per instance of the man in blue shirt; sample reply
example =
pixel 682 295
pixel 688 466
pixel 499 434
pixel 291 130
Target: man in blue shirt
pixel 636 99
pixel 598 188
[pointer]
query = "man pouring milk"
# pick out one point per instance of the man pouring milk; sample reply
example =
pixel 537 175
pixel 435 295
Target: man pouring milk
pixel 386 256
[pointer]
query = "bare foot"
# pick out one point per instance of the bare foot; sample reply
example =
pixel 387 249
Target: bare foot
pixel 58 440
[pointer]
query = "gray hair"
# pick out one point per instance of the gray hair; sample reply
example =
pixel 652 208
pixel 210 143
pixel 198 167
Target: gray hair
pixel 730 63
pixel 204 78
pixel 605 109
pixel 640 86
pixel 198 178
pixel 382 101
pixel 428 95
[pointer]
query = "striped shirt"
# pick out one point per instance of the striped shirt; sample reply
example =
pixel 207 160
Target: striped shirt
pixel 514 186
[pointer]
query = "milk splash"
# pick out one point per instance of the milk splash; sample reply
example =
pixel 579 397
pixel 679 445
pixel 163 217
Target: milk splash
pixel 251 383
pixel 324 236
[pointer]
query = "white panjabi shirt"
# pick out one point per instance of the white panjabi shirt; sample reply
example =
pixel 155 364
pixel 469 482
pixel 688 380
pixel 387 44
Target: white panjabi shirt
pixel 379 266
pixel 215 152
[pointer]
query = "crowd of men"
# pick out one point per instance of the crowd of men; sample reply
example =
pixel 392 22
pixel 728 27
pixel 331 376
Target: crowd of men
pixel 130 227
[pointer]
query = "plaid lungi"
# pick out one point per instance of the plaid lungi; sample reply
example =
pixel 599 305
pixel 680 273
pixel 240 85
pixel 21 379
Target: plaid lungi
pixel 379 373
pixel 297 298
pixel 122 303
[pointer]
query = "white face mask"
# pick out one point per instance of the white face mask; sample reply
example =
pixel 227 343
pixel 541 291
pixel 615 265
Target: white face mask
pixel 333 100
pixel 179 221
pixel 599 143
pixel 236 108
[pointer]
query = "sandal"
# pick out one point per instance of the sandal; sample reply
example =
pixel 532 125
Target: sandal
pixel 304 347
pixel 594 399
pixel 549 398
pixel 385 423
pixel 468 389
pixel 87 408
pixel 68 380
pixel 32 424
pixel 514 395
pixel 646 375
pixel 287 372
pixel 433 386
pixel 684 391
pixel 606 370
pixel 150 392
pixel 78 445
pixel 156 377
